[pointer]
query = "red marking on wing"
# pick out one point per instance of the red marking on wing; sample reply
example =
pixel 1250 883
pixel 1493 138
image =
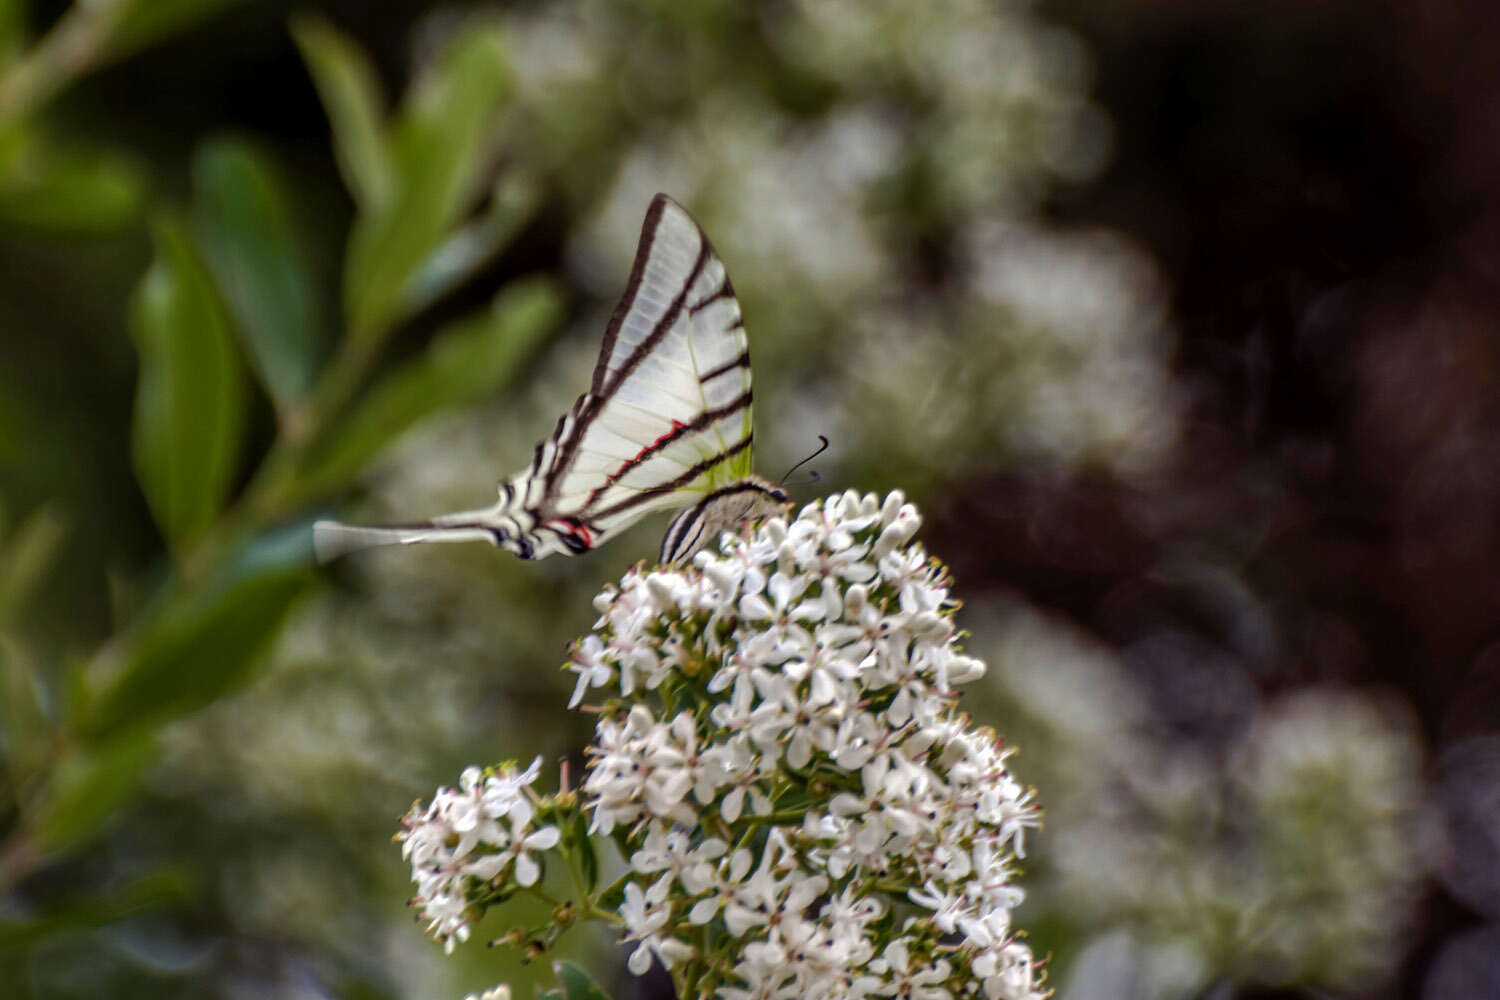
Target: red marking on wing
pixel 574 527
pixel 677 425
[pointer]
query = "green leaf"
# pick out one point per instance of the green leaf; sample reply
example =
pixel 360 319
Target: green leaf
pixel 243 220
pixel 441 142
pixel 24 725
pixel 190 402
pixel 465 362
pixel 26 557
pixel 588 859
pixel 67 189
pixel 25 729
pixel 12 29
pixel 97 909
pixel 350 93
pixel 512 202
pixel 576 984
pixel 201 643
pixel 87 786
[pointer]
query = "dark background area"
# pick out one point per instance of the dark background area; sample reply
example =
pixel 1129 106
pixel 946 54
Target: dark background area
pixel 1319 181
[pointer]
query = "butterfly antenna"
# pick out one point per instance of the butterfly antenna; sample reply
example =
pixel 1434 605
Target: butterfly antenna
pixel 821 448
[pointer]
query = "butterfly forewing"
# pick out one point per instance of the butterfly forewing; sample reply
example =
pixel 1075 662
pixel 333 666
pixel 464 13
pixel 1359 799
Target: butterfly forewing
pixel 668 415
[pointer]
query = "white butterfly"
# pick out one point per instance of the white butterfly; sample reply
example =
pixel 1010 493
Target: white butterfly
pixel 665 423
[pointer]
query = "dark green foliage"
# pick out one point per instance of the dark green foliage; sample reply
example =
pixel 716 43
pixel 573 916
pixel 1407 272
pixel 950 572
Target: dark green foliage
pixel 228 321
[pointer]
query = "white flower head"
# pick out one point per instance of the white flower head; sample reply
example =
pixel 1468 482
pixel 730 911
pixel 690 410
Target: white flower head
pixel 779 760
pixel 469 837
pixel 779 747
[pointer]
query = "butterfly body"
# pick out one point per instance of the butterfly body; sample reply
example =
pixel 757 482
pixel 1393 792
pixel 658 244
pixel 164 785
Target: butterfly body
pixel 722 510
pixel 666 423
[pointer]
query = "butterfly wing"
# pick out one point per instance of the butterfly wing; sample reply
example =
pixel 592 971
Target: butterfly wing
pixel 666 420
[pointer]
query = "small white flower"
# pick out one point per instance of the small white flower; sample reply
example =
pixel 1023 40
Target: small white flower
pixel 908 979
pixel 527 870
pixel 646 915
pixel 946 907
pixel 726 885
pixel 590 665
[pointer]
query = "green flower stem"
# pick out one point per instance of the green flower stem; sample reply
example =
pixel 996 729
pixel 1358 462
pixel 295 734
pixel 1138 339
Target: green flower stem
pixel 785 817
pixel 588 905
pixel 543 895
pixel 698 968
pixel 593 912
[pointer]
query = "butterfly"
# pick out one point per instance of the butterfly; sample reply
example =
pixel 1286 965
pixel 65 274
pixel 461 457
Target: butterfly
pixel 665 423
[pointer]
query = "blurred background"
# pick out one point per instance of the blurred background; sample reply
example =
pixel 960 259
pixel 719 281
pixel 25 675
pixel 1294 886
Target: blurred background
pixel 1178 319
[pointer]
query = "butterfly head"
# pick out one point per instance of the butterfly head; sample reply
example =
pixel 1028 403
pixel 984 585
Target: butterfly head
pixel 751 498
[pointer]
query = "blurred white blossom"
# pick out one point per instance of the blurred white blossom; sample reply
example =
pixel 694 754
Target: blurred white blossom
pixel 494 993
pixel 1056 354
pixel 1289 853
pixel 884 239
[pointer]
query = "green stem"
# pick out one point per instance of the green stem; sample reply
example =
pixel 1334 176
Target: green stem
pixel 785 817
pixel 685 981
pixel 588 909
pixel 345 372
pixel 543 895
pixel 78 43
pixel 698 968
pixel 273 491
pixel 588 905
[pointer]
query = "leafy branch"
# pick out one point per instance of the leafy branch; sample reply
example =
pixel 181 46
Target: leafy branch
pixel 230 309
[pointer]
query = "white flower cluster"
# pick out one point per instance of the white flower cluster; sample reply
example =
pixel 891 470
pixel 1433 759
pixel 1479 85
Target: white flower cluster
pixel 804 810
pixel 468 839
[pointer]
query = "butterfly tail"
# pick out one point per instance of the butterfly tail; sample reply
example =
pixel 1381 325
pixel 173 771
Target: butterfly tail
pixel 332 539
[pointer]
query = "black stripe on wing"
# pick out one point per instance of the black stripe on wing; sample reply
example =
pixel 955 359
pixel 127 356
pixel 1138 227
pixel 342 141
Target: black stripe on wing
pixel 743 361
pixel 705 419
pixel 724 291
pixel 672 485
pixel 658 332
pixel 592 403
pixel 632 288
